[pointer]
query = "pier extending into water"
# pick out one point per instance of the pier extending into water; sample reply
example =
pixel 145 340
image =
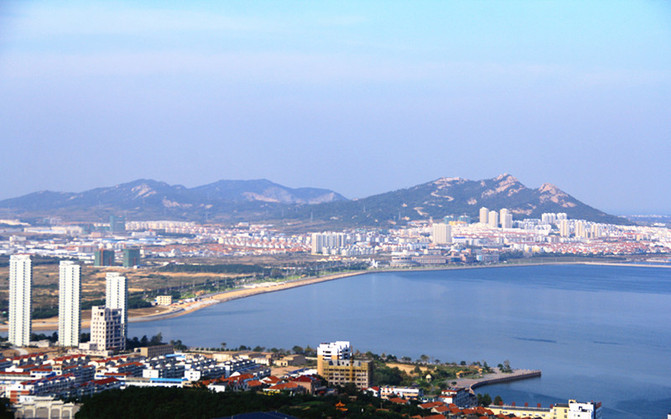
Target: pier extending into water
pixel 497 377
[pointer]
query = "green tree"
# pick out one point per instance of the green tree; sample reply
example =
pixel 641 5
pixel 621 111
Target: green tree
pixel 484 399
pixel 498 400
pixel 6 411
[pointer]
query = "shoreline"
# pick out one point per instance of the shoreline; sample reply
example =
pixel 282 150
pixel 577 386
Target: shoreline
pixel 51 324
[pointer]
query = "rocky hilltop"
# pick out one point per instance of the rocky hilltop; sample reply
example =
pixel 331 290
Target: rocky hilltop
pixel 456 196
pixel 149 199
pixel 254 200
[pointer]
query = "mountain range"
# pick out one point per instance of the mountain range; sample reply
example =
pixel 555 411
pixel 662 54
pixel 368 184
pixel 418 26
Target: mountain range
pixel 254 200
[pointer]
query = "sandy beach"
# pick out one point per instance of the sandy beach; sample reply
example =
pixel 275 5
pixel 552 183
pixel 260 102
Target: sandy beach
pixel 175 310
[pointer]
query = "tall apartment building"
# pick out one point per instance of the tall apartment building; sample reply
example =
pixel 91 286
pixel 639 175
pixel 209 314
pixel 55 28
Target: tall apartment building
pixel 107 330
pixel 564 228
pixel 103 257
pixel 506 218
pixel 596 231
pixel 20 284
pixel 441 233
pixel 337 366
pixel 493 219
pixel 131 257
pixel 116 296
pixel 117 224
pixel 69 290
pixel 484 215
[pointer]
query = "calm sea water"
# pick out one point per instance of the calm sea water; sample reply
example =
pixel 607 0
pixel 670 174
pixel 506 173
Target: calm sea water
pixel 597 332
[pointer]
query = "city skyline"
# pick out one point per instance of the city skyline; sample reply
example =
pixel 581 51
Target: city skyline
pixel 358 98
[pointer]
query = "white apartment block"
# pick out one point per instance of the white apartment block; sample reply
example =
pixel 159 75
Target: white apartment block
pixel 484 215
pixel 334 350
pixel 107 329
pixel 564 228
pixel 493 219
pixel 506 218
pixel 441 233
pixel 69 290
pixel 20 282
pixel 321 242
pixel 117 297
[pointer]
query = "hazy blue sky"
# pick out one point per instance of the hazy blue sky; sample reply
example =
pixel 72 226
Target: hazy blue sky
pixel 361 97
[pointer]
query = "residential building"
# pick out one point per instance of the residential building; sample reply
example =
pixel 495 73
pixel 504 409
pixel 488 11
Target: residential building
pixel 441 233
pixel 408 393
pixel 20 283
pixel 335 364
pixel 564 228
pixel 506 218
pixel 158 350
pixel 341 372
pixel 164 300
pixel 69 290
pixel 580 230
pixel 107 329
pixel 117 224
pixel 458 396
pixel 484 215
pixel 493 219
pixel 117 297
pixel 103 257
pixel 325 243
pixel 334 350
pixel 131 257
pixel 570 410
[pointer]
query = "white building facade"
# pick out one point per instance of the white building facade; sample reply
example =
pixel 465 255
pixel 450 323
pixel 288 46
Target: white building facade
pixel 441 233
pixel 69 313
pixel 20 302
pixel 334 350
pixel 107 329
pixel 117 297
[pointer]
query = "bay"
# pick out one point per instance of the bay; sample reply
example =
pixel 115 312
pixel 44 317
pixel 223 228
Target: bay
pixel 597 332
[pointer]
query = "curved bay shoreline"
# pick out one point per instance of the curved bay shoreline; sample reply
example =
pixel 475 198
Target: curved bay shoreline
pixel 206 301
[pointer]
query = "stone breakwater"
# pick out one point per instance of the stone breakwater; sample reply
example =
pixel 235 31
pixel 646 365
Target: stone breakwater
pixel 497 377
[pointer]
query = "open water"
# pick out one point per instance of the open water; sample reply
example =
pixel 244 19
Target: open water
pixel 598 333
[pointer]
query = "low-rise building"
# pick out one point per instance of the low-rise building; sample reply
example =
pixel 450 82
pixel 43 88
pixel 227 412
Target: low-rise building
pixel 164 300
pixel 408 393
pixel 460 397
pixel 570 410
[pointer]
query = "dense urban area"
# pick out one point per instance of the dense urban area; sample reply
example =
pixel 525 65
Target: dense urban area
pixel 64 276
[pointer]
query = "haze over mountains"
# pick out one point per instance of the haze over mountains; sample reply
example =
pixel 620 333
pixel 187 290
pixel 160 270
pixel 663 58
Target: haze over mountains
pixel 236 200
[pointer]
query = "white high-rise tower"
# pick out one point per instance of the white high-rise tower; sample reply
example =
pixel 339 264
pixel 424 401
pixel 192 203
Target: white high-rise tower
pixel 20 282
pixel 117 297
pixel 484 215
pixel 441 233
pixel 69 290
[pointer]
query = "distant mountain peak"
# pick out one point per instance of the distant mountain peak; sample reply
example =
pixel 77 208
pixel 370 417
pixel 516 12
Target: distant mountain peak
pixel 261 199
pixel 552 193
pixel 549 188
pixel 506 177
pixel 456 196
